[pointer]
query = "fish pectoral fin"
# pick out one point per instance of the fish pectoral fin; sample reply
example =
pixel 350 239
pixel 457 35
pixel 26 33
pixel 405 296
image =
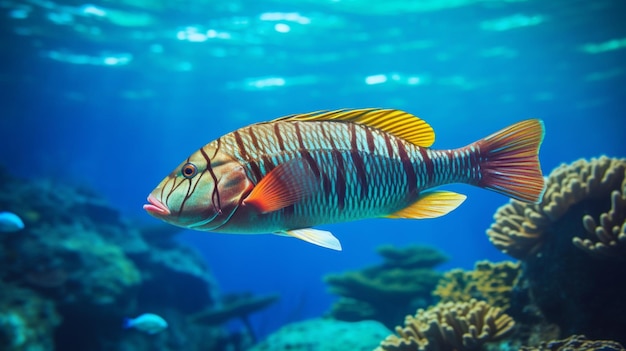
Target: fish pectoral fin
pixel 431 204
pixel 283 186
pixel 396 122
pixel 314 236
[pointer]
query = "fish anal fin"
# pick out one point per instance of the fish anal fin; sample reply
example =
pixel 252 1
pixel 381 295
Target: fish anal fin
pixel 314 236
pixel 396 122
pixel 283 186
pixel 431 204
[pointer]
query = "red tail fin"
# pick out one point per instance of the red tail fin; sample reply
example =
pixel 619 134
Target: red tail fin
pixel 510 164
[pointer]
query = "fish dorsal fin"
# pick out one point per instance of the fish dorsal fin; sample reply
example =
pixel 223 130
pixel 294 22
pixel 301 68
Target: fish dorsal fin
pixel 396 122
pixel 432 204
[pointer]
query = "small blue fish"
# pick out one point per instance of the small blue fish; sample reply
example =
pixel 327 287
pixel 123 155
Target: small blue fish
pixel 10 222
pixel 148 322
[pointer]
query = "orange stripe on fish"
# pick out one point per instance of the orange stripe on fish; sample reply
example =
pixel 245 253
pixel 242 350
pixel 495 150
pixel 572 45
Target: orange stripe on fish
pixel 288 175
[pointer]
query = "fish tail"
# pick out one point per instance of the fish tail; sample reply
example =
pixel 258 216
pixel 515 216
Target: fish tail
pixel 127 323
pixel 509 162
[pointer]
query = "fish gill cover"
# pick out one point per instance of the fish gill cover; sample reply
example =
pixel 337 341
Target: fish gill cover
pixel 110 95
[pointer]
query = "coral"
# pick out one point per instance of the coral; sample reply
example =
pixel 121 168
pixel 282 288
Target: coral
pixel 576 343
pixel 608 238
pixel 27 320
pixel 519 228
pixel 325 335
pixel 571 289
pixel 450 327
pixel 404 281
pixel 489 282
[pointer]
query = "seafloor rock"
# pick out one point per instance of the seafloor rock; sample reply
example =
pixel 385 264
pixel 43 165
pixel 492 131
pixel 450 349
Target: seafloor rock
pixel 27 320
pixel 403 282
pixel 325 335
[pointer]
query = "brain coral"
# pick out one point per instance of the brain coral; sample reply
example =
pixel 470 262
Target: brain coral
pixel 519 228
pixel 450 327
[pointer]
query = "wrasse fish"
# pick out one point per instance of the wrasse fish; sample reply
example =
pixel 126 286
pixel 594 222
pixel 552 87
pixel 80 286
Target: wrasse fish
pixel 303 170
pixel 148 322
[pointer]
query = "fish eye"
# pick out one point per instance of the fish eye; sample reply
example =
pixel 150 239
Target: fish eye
pixel 189 170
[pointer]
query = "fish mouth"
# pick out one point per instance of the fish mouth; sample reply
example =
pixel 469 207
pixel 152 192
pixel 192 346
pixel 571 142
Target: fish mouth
pixel 156 207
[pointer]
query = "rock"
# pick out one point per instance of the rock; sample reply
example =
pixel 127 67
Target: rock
pixel 325 335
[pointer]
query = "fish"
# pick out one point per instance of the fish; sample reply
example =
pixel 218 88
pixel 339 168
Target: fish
pixel 290 174
pixel 148 322
pixel 10 222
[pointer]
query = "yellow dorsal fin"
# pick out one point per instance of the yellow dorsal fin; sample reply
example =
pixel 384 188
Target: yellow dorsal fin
pixel 396 122
pixel 432 204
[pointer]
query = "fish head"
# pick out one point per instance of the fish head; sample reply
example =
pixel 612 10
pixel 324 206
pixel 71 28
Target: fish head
pixel 202 193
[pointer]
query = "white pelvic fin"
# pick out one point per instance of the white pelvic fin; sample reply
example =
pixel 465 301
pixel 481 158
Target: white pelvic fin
pixel 314 236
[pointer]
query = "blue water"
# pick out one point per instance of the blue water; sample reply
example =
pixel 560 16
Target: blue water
pixel 114 95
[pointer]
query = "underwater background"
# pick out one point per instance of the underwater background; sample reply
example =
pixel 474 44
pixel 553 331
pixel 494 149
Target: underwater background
pixel 106 98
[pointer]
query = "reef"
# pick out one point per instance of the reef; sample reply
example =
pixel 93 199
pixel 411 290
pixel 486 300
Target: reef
pixel 520 229
pixel 576 343
pixel 403 282
pixel 489 282
pixel 240 306
pixel 27 320
pixel 325 334
pixel 450 326
pixel 78 268
pixel 571 246
pixel 608 235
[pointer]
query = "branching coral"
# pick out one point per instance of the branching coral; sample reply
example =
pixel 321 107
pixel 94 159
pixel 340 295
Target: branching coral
pixel 608 238
pixel 450 327
pixel 489 282
pixel 385 292
pixel 519 227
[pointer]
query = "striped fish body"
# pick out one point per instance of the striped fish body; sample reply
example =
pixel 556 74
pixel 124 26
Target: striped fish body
pixel 300 171
pixel 357 171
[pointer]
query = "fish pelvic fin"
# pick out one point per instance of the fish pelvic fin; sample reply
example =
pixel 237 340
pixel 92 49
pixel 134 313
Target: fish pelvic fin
pixel 431 204
pixel 314 236
pixel 510 163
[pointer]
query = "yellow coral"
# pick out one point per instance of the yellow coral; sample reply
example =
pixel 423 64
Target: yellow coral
pixel 450 327
pixel 490 282
pixel 518 228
